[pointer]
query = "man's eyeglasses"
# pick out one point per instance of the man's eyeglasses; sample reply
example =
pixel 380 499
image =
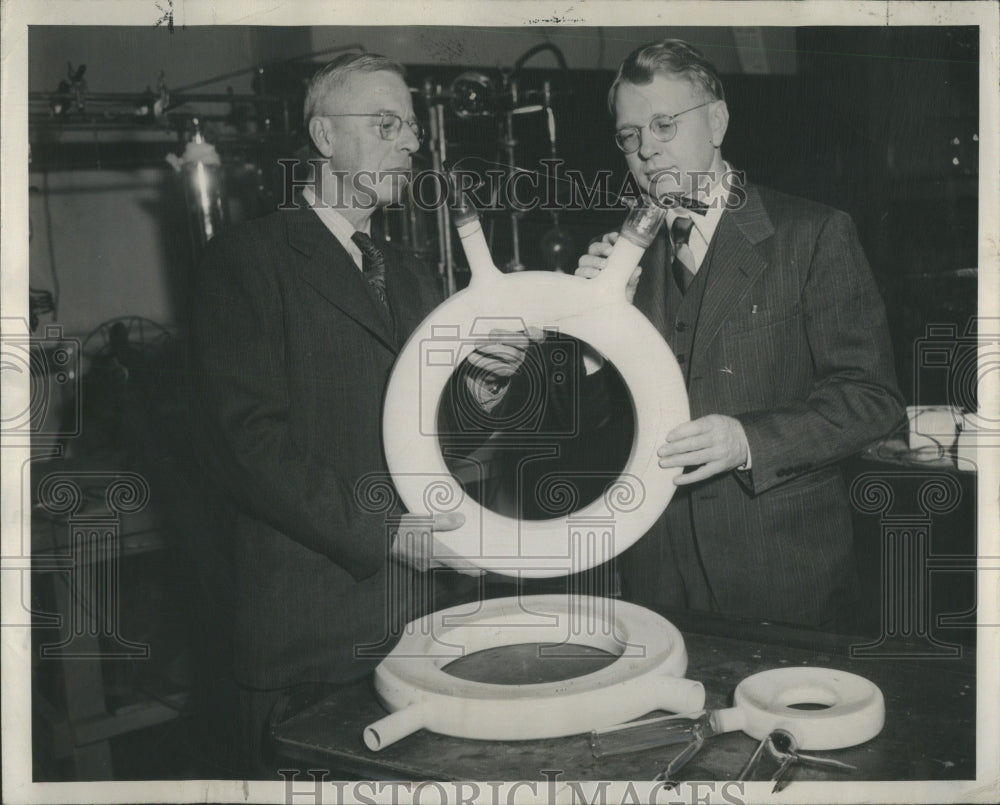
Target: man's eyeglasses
pixel 389 125
pixel 662 127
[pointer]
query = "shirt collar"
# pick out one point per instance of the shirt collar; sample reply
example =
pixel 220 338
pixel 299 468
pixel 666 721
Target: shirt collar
pixel 341 228
pixel 716 199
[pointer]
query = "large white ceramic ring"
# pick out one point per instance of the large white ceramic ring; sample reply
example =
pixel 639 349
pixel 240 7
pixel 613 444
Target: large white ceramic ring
pixel 647 675
pixel 593 311
pixel 853 708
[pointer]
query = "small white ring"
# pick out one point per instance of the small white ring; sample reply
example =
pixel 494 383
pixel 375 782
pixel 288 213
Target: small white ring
pixel 854 708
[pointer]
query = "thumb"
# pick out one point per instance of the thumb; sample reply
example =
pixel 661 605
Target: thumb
pixel 448 521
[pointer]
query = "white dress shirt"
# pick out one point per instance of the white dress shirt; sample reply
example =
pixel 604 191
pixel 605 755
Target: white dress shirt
pixel 704 225
pixel 341 228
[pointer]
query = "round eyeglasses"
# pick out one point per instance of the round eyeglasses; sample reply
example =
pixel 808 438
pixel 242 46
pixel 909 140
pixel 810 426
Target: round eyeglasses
pixel 389 125
pixel 662 127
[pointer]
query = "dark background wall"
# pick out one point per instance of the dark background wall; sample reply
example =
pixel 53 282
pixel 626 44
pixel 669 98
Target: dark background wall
pixel 879 121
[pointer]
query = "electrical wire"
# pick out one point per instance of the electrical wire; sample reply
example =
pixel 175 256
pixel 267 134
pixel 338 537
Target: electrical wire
pixel 532 51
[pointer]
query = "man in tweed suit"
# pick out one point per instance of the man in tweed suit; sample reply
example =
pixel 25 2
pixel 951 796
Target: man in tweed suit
pixel 775 319
pixel 293 347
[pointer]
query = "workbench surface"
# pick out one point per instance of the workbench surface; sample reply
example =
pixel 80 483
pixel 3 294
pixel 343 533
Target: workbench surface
pixel 929 731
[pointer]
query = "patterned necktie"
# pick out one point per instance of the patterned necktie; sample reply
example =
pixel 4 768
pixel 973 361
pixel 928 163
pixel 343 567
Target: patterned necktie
pixel 373 266
pixel 683 264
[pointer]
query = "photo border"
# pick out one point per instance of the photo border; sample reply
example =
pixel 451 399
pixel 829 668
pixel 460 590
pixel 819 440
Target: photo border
pixel 17 15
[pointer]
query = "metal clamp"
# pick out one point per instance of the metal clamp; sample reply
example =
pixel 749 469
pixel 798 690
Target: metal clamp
pixel 781 746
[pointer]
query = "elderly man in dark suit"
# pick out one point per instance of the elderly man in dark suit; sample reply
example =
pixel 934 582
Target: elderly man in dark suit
pixel 298 322
pixel 775 319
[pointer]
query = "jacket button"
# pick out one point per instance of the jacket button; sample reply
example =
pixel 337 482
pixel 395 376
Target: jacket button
pixel 681 358
pixel 680 326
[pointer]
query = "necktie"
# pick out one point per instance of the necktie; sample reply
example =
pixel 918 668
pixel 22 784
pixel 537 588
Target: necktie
pixel 373 266
pixel 683 264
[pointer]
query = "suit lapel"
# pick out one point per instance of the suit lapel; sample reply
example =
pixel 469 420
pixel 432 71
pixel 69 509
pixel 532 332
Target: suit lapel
pixel 736 265
pixel 405 298
pixel 331 272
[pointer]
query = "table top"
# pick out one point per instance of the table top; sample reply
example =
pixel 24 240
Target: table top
pixel 929 731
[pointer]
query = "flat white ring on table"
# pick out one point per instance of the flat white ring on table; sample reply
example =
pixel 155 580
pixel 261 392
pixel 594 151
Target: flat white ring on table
pixel 647 676
pixel 762 703
pixel 589 310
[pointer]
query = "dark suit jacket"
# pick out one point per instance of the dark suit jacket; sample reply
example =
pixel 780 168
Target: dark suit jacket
pixel 292 357
pixel 791 340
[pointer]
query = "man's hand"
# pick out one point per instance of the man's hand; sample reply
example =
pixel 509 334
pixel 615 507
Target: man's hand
pixel 592 263
pixel 714 444
pixel 495 360
pixel 415 546
pixel 504 351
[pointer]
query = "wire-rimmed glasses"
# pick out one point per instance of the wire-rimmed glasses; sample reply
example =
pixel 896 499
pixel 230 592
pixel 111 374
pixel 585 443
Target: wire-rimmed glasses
pixel 662 127
pixel 390 124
